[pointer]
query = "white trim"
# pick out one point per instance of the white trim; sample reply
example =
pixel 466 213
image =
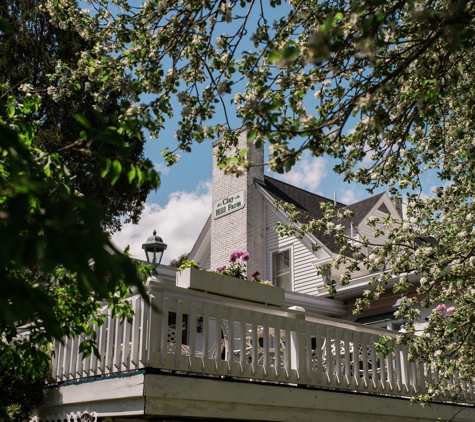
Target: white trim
pixel 387 201
pixel 203 243
pixel 289 248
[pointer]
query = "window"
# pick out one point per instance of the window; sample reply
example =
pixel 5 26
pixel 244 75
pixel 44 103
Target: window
pixel 281 270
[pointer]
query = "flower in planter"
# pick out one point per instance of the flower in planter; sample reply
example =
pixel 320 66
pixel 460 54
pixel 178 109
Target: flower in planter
pixel 237 268
pixel 255 278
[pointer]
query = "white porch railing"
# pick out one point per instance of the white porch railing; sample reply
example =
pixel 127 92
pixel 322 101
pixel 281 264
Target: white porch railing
pixel 196 332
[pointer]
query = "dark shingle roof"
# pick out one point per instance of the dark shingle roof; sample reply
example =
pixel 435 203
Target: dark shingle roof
pixel 308 204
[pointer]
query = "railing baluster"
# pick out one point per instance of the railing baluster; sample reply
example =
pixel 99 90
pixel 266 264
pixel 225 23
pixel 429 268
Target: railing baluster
pixel 348 353
pixel 328 354
pixel 62 351
pixel 192 328
pixel 266 363
pixel 164 331
pixel 230 341
pixel 144 342
pixel 255 345
pixel 70 359
pixel 318 354
pixel 308 351
pixel 110 344
pixel 87 365
pixel 117 346
pixel 55 359
pixel 205 353
pixel 79 360
pixel 93 364
pixel 364 354
pixel 287 349
pixel 372 356
pixel 218 333
pixel 391 370
pixel 338 372
pixel 134 355
pixel 383 374
pixel 278 353
pixel 179 332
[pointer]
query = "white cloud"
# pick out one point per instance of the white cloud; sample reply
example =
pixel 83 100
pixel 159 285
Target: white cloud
pixel 347 197
pixel 162 168
pixel 178 223
pixel 307 174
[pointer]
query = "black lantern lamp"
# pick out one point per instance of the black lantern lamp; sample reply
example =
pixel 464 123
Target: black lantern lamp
pixel 154 248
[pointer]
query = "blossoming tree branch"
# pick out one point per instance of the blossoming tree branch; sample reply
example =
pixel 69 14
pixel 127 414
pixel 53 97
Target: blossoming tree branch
pixel 299 76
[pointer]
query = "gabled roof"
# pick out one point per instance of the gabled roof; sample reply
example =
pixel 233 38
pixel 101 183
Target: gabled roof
pixel 362 208
pixel 308 204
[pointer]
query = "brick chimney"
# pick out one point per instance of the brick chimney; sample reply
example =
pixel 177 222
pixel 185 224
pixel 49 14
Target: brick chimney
pixel 238 218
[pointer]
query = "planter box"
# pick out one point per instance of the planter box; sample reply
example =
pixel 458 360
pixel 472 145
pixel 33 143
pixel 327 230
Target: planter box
pixel 223 285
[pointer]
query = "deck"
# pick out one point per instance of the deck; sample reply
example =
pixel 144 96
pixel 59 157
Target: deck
pixel 191 354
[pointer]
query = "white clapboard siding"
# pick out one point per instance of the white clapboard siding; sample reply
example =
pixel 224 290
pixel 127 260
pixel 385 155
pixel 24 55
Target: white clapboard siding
pixel 304 274
pixel 365 230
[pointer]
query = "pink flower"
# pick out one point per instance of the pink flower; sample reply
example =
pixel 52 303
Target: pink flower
pixel 451 309
pixel 441 307
pixel 245 256
pixel 234 256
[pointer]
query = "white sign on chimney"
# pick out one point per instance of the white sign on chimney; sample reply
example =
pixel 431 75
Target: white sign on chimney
pixel 229 204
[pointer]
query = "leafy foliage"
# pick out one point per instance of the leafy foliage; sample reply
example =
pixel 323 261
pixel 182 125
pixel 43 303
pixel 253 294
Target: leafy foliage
pixel 65 178
pixel 178 262
pixel 57 263
pixel 32 52
pixel 22 380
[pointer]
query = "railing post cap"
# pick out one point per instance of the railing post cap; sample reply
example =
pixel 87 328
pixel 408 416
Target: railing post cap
pixel 296 312
pixel 154 280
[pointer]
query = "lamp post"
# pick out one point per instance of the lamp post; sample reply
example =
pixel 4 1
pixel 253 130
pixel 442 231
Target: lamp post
pixel 154 248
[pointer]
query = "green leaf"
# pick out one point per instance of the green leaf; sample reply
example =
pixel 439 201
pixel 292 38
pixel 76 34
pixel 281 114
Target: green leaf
pixel 116 170
pixel 131 174
pixel 275 56
pixel 290 53
pixel 251 135
pixel 106 169
pixel 82 120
